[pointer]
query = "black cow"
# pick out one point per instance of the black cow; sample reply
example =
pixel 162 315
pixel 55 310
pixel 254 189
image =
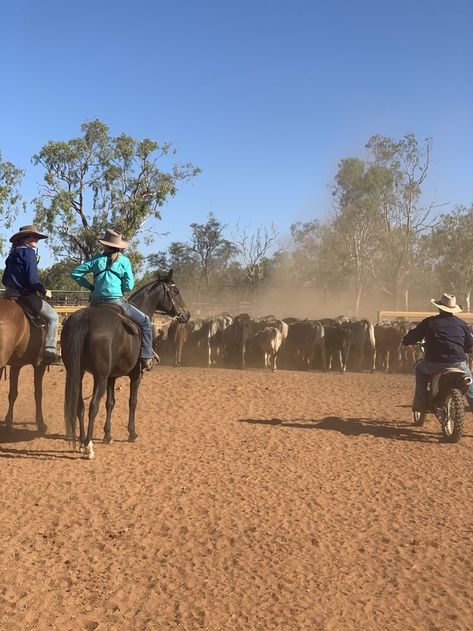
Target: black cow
pixel 336 342
pixel 235 339
pixel 304 344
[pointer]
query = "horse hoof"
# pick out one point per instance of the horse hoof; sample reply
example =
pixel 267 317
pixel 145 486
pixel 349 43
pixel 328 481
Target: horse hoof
pixel 42 428
pixel 132 437
pixel 88 456
pixel 107 439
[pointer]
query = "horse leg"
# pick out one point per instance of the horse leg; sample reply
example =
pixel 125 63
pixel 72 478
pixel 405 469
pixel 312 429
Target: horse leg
pixel 12 395
pixel 38 397
pixel 109 405
pixel 134 385
pixel 100 386
pixel 80 416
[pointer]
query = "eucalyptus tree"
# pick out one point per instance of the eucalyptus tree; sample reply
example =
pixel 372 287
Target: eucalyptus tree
pixel 451 249
pixel 213 250
pixel 357 221
pixel 97 180
pixel 11 202
pixel 405 217
pixel 253 249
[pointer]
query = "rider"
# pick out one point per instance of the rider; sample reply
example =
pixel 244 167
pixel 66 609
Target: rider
pixel 447 340
pixel 21 278
pixel 112 277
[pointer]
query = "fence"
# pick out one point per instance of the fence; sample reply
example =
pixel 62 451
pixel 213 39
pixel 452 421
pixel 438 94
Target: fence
pixel 415 316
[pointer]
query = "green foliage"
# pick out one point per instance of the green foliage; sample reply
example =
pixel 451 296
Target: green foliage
pixel 10 197
pixel 58 276
pixel 404 165
pixel 452 252
pixel 212 250
pixel 98 181
pixel 180 259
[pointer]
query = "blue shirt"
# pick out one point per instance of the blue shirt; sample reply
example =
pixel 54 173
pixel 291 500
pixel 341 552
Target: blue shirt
pixel 109 281
pixel 21 271
pixel 447 338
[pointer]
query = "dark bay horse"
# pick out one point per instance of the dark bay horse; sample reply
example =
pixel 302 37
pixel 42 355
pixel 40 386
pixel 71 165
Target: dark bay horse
pixel 98 340
pixel 21 343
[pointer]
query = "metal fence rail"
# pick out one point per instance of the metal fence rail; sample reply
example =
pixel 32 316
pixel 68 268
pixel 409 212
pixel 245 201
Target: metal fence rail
pixel 414 316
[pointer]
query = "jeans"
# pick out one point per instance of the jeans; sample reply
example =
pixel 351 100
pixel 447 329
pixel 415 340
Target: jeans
pixel 425 369
pixel 140 318
pixel 42 308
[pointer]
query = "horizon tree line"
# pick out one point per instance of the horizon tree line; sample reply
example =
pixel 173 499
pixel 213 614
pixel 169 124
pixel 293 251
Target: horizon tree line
pixel 379 234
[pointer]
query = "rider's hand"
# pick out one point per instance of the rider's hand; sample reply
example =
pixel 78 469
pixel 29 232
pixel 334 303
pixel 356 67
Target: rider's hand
pixel 48 294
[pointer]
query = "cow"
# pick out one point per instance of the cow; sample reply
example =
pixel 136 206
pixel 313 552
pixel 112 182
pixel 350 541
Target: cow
pixel 336 342
pixel 235 339
pixel 160 325
pixel 388 336
pixel 362 344
pixel 254 349
pixel 210 337
pixel 178 334
pixel 269 341
pixel 305 344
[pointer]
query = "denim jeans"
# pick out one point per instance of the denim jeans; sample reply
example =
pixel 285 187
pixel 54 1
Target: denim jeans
pixel 42 308
pixel 140 318
pixel 425 369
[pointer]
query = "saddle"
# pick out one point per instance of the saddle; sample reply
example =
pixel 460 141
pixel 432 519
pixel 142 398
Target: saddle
pixel 128 324
pixel 33 318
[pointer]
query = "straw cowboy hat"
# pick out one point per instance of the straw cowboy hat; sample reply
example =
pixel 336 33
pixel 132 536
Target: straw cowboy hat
pixel 113 240
pixel 447 303
pixel 28 231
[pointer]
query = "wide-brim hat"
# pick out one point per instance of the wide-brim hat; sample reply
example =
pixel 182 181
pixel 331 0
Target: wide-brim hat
pixel 113 240
pixel 28 231
pixel 448 303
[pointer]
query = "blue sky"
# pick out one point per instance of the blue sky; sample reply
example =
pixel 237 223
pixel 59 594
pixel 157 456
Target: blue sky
pixel 265 96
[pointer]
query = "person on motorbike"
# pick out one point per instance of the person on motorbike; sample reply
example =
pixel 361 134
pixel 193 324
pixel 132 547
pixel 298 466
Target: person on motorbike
pixel 447 340
pixel 112 277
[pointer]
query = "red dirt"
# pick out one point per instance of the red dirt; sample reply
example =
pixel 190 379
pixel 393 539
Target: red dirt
pixel 251 501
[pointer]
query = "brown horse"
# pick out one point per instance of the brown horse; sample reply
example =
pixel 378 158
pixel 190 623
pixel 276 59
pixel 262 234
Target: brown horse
pixel 100 341
pixel 21 343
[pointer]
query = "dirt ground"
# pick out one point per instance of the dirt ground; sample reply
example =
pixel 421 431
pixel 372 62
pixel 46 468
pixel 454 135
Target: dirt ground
pixel 251 501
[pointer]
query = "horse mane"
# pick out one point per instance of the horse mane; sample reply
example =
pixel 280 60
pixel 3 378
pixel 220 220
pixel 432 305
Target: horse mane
pixel 144 289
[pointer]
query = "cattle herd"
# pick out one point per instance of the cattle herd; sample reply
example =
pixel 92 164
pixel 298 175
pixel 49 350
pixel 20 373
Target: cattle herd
pixel 290 343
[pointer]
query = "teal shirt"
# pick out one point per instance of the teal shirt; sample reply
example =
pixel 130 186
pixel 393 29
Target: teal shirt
pixel 109 284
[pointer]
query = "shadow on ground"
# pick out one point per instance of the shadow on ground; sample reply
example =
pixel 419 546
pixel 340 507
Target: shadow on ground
pixel 378 428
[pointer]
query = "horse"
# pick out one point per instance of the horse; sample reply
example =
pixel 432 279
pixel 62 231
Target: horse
pixel 101 341
pixel 21 343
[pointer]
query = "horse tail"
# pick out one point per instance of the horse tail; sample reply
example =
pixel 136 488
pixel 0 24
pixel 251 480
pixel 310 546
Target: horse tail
pixel 73 337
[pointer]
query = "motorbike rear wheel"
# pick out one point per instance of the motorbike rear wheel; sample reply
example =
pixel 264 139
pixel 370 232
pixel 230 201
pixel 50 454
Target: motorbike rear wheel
pixel 452 427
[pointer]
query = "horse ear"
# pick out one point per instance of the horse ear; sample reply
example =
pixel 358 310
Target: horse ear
pixel 170 275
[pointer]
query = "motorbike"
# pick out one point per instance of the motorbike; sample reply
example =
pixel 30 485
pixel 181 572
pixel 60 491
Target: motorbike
pixel 446 401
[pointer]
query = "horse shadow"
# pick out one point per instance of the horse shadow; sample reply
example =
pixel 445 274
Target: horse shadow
pixel 20 433
pixel 357 426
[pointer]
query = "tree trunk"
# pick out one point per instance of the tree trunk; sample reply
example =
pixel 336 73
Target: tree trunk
pixel 358 299
pixel 406 299
pixel 468 299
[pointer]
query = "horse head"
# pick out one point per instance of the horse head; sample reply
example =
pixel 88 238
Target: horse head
pixel 161 294
pixel 173 303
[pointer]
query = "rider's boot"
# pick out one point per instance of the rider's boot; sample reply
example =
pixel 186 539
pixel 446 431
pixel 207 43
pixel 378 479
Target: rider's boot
pixel 51 357
pixel 146 363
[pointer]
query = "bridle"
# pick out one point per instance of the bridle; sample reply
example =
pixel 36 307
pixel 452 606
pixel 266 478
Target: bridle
pixel 177 316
